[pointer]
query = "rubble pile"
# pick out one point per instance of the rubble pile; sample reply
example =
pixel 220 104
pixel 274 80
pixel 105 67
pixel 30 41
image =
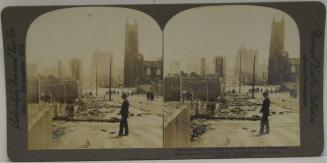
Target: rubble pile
pixel 102 110
pixel 232 107
pixel 90 109
pixel 198 130
pixel 57 132
pixel 242 101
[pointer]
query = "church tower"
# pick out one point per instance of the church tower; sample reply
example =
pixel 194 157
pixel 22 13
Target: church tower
pixel 278 66
pixel 131 39
pixel 133 61
pixel 277 35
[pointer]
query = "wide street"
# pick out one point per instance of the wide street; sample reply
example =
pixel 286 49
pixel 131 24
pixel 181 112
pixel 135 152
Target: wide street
pixel 284 131
pixel 145 125
pixel 228 129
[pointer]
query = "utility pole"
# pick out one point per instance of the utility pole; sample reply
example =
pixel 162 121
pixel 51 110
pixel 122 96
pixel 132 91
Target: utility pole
pixel 253 79
pixel 110 79
pixel 65 100
pixel 240 74
pixel 207 91
pixel 96 75
pixel 91 83
pixel 39 88
pixel 180 87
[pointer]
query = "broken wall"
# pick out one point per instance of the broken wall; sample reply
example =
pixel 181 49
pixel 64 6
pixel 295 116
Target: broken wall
pixel 39 128
pixel 177 130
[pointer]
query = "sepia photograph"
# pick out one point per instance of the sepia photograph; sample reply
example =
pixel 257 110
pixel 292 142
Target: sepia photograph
pixel 120 81
pixel 109 77
pixel 231 78
pixel 94 79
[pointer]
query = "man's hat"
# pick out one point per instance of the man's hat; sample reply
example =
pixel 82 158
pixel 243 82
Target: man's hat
pixel 265 93
pixel 124 95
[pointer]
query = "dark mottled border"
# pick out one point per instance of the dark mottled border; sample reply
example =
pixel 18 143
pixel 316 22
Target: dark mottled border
pixel 309 16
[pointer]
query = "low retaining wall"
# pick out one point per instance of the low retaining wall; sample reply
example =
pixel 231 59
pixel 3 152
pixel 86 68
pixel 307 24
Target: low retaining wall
pixel 39 127
pixel 177 130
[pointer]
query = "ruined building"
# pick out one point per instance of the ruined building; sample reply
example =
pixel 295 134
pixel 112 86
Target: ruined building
pixel 279 64
pixel 133 62
pixel 220 70
pixel 295 69
pixel 60 69
pixel 220 67
pixel 203 67
pixel 76 68
pixel 202 88
pixel 136 70
pixel 100 68
pixel 60 90
pixel 245 60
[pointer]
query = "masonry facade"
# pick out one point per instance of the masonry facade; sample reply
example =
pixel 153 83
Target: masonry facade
pixel 137 70
pixel 279 67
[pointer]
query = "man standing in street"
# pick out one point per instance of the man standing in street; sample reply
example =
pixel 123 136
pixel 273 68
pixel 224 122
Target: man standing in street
pixel 264 125
pixel 124 115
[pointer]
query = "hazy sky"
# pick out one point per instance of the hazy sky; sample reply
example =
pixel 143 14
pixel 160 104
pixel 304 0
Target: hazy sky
pixel 221 30
pixel 77 32
pixel 201 32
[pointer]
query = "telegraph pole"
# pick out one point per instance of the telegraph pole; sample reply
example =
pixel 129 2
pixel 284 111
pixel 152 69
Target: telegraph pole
pixel 96 75
pixel 65 99
pixel 39 88
pixel 253 79
pixel 207 91
pixel 240 74
pixel 180 87
pixel 110 78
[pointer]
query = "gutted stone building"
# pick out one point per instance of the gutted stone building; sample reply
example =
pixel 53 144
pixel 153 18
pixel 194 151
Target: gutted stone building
pixel 201 88
pixel 279 67
pixel 137 70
